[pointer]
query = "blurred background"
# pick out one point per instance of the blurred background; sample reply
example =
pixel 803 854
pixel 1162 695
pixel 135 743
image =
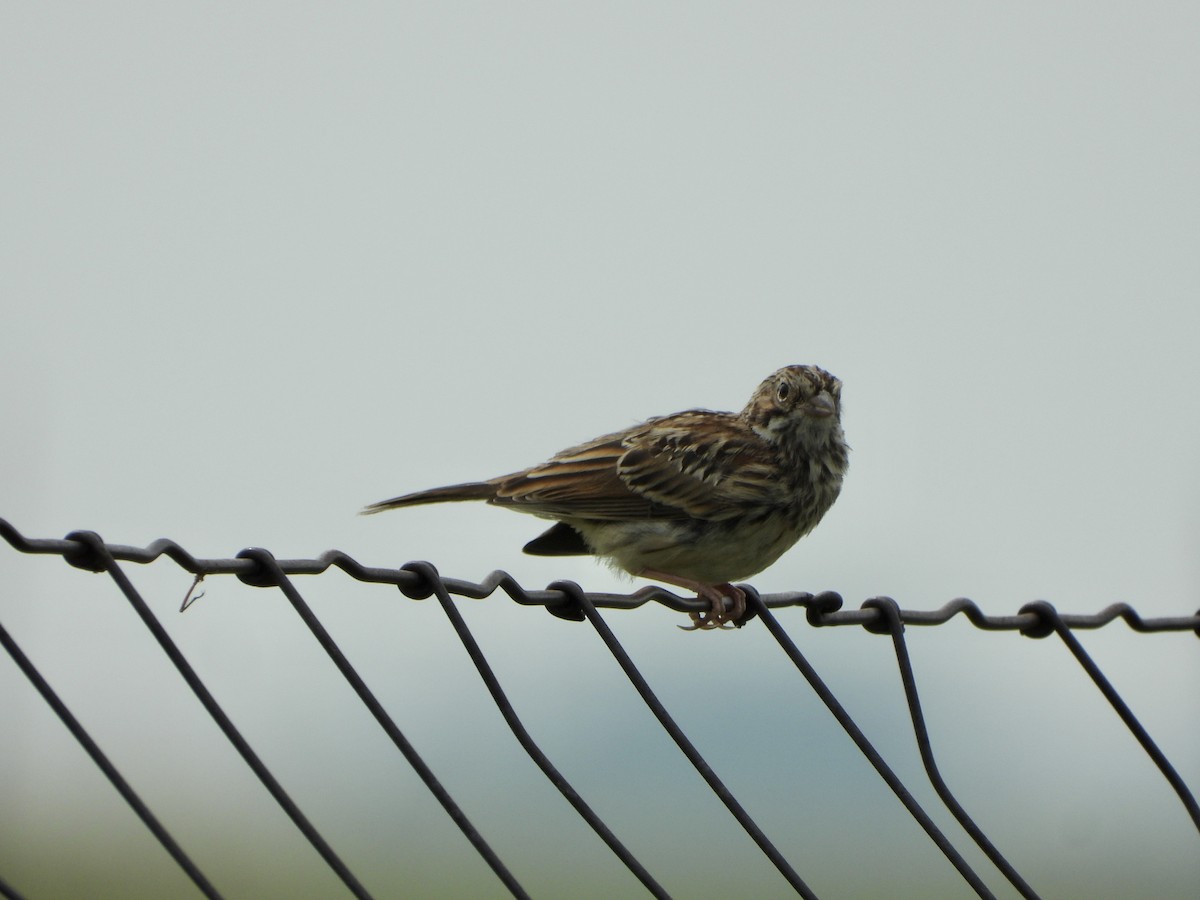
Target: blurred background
pixel 263 264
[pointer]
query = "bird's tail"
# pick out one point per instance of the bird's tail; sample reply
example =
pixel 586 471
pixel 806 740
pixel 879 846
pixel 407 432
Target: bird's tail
pixel 475 490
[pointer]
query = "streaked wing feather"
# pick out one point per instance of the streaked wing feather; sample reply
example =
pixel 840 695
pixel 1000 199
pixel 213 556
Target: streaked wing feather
pixel 695 464
pixel 580 482
pixel 709 465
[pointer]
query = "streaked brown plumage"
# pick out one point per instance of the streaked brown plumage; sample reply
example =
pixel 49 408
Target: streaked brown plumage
pixel 697 499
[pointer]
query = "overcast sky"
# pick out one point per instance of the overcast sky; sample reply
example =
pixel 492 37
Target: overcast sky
pixel 263 264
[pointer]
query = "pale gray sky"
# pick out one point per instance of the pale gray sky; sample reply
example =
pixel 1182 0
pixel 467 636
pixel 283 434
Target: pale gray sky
pixel 264 264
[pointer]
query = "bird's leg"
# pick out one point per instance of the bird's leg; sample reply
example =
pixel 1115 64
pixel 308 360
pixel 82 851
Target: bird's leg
pixel 715 594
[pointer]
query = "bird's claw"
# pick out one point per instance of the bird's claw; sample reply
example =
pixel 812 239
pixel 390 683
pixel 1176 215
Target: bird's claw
pixel 702 622
pixel 717 616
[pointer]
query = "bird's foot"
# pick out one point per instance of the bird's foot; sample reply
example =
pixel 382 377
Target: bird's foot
pixel 718 616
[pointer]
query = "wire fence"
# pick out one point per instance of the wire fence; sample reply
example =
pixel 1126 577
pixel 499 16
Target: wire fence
pixel 420 580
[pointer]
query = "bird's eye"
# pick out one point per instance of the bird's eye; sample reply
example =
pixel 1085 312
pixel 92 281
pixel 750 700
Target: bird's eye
pixel 783 392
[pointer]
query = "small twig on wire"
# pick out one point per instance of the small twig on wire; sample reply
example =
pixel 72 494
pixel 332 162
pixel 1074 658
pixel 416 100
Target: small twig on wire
pixel 192 596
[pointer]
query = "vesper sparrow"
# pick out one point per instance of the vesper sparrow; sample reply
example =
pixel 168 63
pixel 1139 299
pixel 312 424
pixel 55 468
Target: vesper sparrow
pixel 697 499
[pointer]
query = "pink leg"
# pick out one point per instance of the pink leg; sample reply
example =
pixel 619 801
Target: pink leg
pixel 715 594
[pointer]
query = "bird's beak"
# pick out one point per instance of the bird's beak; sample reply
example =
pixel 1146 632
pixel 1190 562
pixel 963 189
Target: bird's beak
pixel 821 406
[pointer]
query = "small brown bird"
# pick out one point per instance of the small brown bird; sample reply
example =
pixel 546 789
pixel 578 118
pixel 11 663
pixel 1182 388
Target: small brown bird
pixel 697 499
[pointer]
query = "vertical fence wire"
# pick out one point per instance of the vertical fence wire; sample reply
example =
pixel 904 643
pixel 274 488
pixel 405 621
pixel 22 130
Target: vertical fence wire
pixel 866 748
pixel 895 628
pixel 689 750
pixel 279 579
pixel 430 576
pixel 105 765
pixel 96 557
pixel 1053 621
pixel 8 892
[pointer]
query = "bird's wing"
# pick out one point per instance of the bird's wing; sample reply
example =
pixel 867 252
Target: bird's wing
pixel 695 464
pixel 581 482
pixel 710 466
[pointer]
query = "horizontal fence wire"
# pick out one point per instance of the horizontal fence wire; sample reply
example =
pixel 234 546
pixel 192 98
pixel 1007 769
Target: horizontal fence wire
pixel 881 615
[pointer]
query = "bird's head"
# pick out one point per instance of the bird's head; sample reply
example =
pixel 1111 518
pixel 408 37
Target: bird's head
pixel 797 402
